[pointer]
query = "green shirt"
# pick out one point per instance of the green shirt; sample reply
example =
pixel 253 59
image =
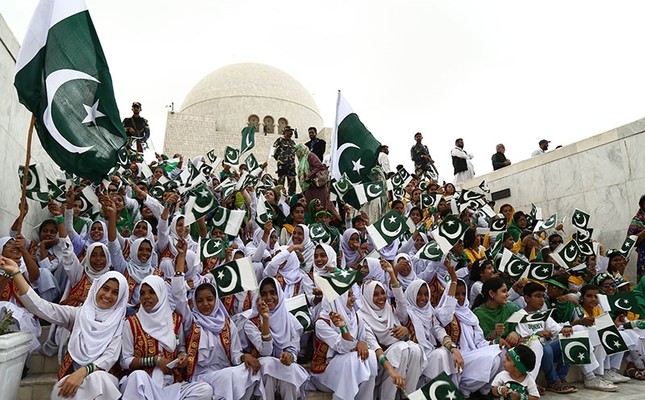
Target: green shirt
pixel 488 317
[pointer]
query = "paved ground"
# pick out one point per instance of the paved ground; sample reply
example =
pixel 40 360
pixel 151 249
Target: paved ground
pixel 632 390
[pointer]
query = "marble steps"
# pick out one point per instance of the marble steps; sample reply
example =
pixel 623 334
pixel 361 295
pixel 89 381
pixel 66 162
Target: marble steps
pixel 42 375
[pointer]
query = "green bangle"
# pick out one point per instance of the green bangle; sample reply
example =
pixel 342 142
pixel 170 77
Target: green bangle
pixel 382 360
pixel 344 329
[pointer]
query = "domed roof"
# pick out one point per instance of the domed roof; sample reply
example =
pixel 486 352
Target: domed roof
pixel 247 80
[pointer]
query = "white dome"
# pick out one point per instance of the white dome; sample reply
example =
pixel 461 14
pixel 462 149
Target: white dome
pixel 233 93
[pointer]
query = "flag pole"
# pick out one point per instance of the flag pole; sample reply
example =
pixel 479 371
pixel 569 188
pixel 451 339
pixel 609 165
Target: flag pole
pixel 25 175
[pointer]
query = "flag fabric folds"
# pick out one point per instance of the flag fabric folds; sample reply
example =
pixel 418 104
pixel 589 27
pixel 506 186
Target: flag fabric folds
pixel 212 248
pixel 576 348
pixel 389 228
pixel 62 77
pixel 298 307
pixel 334 285
pixel 439 388
pixel 234 277
pixel 354 150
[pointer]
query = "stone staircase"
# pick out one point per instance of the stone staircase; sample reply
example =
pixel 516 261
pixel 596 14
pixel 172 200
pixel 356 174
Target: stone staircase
pixel 42 374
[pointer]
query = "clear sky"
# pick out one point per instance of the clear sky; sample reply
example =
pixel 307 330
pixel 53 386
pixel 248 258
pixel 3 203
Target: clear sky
pixel 491 72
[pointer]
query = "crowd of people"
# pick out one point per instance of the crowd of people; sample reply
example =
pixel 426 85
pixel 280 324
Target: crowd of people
pixel 136 312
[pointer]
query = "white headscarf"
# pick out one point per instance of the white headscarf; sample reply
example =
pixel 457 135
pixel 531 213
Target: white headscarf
pixel 291 270
pixel 104 239
pixel 308 253
pixel 351 256
pixel 137 269
pixel 3 241
pixel 174 236
pixel 421 317
pixel 340 307
pixel 149 235
pixel 214 322
pixel 158 322
pixel 331 259
pixel 281 321
pixel 381 321
pixel 467 319
pixel 89 270
pixel 405 280
pixel 375 270
pixel 94 327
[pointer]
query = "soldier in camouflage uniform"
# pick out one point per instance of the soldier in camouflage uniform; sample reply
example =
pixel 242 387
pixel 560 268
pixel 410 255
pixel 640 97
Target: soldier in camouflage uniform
pixel 423 162
pixel 285 154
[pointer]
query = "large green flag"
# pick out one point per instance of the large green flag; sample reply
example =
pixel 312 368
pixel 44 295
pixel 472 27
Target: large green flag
pixel 354 150
pixel 62 77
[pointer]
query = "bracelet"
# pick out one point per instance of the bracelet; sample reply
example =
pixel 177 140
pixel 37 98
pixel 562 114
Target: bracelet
pixel 395 285
pixel 11 275
pixel 267 337
pixel 59 219
pixel 89 368
pixel 382 359
pixel 179 273
pixel 344 329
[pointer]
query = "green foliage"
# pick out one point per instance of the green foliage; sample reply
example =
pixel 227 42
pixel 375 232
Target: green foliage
pixel 6 323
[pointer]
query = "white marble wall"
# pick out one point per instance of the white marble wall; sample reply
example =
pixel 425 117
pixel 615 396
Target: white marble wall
pixel 14 125
pixel 603 175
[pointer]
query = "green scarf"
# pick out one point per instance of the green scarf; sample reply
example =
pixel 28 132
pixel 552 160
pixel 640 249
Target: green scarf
pixel 303 166
pixel 488 317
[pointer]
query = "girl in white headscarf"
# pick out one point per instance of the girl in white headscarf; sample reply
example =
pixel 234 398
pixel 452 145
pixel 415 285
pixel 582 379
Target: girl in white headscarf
pixel 343 363
pixel 350 246
pixel 152 339
pixel 482 358
pixel 285 267
pixel 300 235
pixel 218 359
pixel 402 362
pixel 325 260
pixel 427 332
pixel 95 342
pixel 404 271
pixel 262 247
pixel 273 336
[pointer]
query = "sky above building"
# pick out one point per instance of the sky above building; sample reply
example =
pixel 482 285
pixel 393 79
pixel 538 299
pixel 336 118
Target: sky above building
pixel 486 71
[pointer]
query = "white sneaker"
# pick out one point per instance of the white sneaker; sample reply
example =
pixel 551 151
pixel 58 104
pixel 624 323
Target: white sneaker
pixel 598 384
pixel 614 377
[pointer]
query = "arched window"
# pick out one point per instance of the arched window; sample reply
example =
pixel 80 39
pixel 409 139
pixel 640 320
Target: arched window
pixel 268 124
pixel 282 122
pixel 254 120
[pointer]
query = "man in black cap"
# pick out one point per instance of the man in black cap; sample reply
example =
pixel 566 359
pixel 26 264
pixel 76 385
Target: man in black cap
pixel 544 146
pixel 284 152
pixel 137 127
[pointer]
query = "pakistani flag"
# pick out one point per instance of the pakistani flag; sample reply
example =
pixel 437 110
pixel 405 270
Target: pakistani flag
pixel 227 188
pixel 228 221
pixel 334 285
pixel 584 242
pixel 498 225
pixel 430 251
pixel 62 77
pixel 429 200
pixel 398 193
pixel 628 245
pixel 297 306
pixel 550 223
pixel 539 271
pixel 538 316
pixel 88 199
pixel 264 211
pixel 157 191
pixel 580 219
pixel 609 336
pixel 450 231
pixel 512 266
pixel 576 349
pixel 492 252
pixel 200 202
pixel 212 248
pixel 566 255
pixel 318 233
pixel 234 277
pixel 248 139
pixel 389 228
pixel 440 388
pixel 251 162
pixel 342 185
pixel 484 187
pixel 247 179
pixel 623 303
pixel 36 179
pixel 470 199
pixel 53 193
pixel 213 159
pixel 401 178
pixel 354 151
pixel 232 156
pixel 363 193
